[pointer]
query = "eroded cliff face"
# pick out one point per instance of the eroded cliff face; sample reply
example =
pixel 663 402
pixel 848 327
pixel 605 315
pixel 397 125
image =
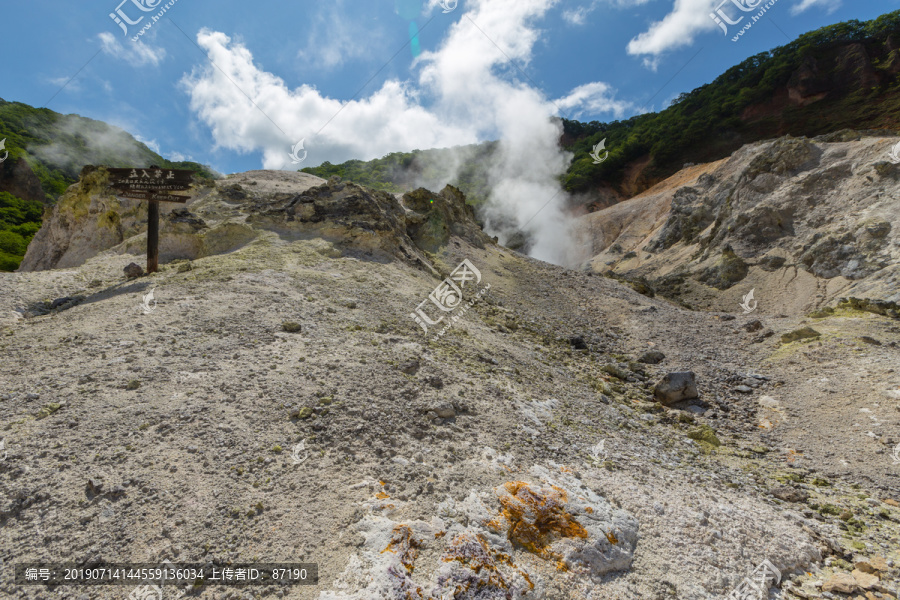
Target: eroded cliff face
pixel 802 222
pixel 228 214
pixel 17 178
pixel 840 85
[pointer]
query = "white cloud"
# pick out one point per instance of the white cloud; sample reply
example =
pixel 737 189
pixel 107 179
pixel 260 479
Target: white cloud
pixel 465 92
pixel 578 15
pixel 137 54
pixel 152 144
pixel 676 29
pixel 593 99
pixel 828 5
pixel 387 120
pixel 651 62
pixel 64 82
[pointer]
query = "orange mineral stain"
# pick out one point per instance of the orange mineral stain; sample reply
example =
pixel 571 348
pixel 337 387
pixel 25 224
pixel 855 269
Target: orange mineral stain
pixel 535 518
pixel 403 543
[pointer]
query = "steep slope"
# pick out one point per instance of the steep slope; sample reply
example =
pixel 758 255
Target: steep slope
pixel 278 402
pixel 801 222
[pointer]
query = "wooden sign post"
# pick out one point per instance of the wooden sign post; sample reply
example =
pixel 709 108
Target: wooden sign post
pixel 153 185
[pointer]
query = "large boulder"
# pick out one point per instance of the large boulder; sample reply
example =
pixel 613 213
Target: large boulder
pixel 675 387
pixel 507 542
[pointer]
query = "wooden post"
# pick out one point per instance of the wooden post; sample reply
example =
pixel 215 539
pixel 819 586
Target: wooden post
pixel 152 237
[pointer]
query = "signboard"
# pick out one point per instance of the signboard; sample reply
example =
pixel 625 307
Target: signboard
pixel 152 184
pixel 150 180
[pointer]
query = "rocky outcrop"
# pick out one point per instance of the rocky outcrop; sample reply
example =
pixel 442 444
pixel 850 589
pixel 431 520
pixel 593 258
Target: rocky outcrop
pixel 803 222
pixel 17 178
pixel 225 215
pixel 86 220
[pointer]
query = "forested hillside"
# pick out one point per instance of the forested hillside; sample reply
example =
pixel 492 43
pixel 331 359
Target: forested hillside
pixel 844 76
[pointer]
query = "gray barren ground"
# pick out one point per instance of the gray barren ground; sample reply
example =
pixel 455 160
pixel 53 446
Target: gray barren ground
pixel 276 402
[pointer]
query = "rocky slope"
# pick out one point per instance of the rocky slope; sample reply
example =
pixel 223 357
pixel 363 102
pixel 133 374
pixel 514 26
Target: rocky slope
pixel 841 76
pixel 802 222
pixel 277 400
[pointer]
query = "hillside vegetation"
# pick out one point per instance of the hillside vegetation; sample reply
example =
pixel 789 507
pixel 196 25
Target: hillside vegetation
pixel 56 147
pixel 839 77
pixel 843 76
pixel 403 171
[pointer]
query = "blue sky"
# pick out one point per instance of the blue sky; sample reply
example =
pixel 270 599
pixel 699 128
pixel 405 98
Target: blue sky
pixel 299 61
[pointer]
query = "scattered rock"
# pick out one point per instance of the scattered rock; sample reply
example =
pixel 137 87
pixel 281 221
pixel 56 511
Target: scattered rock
pixel 872 565
pixel 291 327
pixel 435 382
pixel 133 270
pixel 799 334
pixel 616 371
pixel 744 389
pixel 578 343
pixel 842 583
pixel 652 357
pixel 879 307
pixel 49 410
pixel 303 412
pixel 763 336
pixel 865 580
pixel 133 384
pixel 59 302
pixel 752 326
pixel 704 434
pixel 410 367
pixel 869 340
pixel 444 411
pixel 676 387
pixel 789 494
